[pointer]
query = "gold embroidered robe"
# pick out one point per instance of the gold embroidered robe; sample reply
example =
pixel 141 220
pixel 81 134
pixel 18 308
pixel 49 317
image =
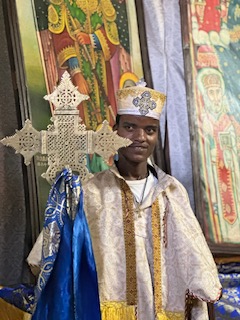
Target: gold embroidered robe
pixel 186 261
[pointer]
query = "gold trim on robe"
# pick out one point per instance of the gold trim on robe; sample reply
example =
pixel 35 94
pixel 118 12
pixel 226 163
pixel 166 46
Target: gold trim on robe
pixel 117 310
pixel 10 312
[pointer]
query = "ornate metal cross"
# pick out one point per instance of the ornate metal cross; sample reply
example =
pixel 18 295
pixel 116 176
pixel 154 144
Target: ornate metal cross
pixel 66 141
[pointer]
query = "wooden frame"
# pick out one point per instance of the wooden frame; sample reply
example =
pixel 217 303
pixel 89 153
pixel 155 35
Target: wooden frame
pixel 193 53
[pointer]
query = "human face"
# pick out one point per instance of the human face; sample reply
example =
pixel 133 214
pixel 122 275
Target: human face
pixel 215 96
pixel 143 131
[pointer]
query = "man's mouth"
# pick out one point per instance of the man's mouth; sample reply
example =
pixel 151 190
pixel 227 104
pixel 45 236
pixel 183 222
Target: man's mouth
pixel 138 147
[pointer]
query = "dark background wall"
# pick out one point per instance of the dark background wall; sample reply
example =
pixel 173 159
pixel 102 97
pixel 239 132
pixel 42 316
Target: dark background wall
pixel 13 217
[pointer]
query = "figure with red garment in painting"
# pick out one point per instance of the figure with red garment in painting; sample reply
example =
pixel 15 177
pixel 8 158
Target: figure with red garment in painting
pixel 85 38
pixel 220 132
pixel 91 40
pixel 210 14
pixel 209 22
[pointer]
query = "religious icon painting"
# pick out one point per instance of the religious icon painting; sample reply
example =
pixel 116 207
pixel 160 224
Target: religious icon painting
pixel 96 42
pixel 213 38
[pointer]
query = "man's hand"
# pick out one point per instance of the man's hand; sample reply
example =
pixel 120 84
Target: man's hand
pixel 83 38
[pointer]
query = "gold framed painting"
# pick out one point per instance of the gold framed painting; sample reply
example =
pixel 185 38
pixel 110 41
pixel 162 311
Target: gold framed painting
pixel 101 43
pixel 211 51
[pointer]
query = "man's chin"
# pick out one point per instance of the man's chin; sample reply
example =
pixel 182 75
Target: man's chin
pixel 137 158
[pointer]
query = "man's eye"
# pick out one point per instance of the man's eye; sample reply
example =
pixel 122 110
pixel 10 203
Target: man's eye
pixel 128 127
pixel 150 130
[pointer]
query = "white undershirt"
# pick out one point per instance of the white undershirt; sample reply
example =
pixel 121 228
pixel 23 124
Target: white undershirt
pixel 137 186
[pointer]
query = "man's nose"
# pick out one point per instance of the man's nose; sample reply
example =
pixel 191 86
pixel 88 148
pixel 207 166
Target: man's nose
pixel 215 96
pixel 140 135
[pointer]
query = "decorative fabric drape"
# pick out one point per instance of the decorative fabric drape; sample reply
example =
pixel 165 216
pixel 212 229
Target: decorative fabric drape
pixel 229 305
pixel 67 284
pixel 163 28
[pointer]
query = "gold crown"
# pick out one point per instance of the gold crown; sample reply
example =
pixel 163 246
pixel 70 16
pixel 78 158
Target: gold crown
pixel 140 101
pixel 211 80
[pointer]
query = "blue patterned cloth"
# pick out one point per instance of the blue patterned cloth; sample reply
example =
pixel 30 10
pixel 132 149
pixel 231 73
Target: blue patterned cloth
pixel 21 296
pixel 228 307
pixel 67 286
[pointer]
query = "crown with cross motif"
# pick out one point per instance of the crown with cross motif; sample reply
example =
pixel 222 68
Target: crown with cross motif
pixel 140 101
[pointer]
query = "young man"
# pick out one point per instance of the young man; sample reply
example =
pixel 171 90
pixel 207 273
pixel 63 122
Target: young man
pixel 149 249
pixel 150 253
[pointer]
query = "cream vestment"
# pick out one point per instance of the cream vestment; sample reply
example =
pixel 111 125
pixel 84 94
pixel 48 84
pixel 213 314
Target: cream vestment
pixel 185 262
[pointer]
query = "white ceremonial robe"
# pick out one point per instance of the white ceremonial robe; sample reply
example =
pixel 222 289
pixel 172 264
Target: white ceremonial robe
pixel 186 261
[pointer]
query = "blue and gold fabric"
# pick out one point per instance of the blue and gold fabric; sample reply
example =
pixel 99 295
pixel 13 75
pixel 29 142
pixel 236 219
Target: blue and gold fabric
pixel 21 297
pixel 67 284
pixel 228 307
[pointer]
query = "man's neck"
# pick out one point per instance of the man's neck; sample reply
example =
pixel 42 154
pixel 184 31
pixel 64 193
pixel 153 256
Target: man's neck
pixel 132 171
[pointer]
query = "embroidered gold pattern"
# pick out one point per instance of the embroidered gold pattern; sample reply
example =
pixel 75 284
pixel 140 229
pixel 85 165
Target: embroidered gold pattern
pixel 88 7
pixel 109 17
pixel 52 15
pixel 138 91
pixel 129 236
pixel 72 24
pixel 104 44
pixel 103 72
pixel 157 273
pixel 65 54
pixel 130 248
pixel 167 315
pixel 117 310
pixel 112 32
pixel 56 21
pixel 108 10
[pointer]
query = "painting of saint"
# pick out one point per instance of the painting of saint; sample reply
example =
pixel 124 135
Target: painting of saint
pixel 214 41
pixel 219 132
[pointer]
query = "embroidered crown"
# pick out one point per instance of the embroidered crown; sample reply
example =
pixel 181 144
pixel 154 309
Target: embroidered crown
pixel 212 80
pixel 141 101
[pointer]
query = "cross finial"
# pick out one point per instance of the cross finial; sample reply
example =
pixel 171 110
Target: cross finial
pixel 66 141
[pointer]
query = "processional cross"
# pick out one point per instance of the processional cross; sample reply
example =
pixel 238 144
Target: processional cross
pixel 66 141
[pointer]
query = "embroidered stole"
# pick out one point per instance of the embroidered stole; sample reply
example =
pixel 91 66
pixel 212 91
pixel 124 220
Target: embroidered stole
pixel 129 236
pixel 130 252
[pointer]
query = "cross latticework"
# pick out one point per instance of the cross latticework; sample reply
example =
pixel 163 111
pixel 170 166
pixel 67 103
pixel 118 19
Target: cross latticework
pixel 66 141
